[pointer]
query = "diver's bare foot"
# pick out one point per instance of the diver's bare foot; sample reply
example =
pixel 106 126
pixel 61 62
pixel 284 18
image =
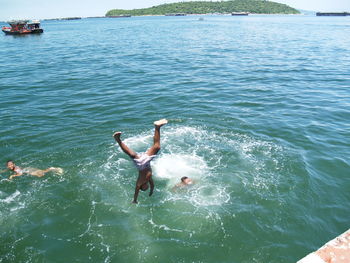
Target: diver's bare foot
pixel 116 136
pixel 160 123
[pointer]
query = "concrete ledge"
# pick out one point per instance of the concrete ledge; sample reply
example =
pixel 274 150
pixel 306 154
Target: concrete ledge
pixel 335 251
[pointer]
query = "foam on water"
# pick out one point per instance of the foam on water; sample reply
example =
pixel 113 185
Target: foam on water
pixel 202 155
pixel 183 154
pixel 11 197
pixel 175 166
pixel 195 152
pixel 178 215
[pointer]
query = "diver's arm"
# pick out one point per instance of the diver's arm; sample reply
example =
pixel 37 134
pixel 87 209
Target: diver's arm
pixel 137 190
pixel 151 186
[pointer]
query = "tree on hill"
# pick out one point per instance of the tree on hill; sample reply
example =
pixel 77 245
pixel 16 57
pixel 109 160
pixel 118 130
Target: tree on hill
pixel 205 7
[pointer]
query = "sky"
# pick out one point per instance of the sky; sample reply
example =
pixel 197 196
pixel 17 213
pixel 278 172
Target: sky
pixel 40 9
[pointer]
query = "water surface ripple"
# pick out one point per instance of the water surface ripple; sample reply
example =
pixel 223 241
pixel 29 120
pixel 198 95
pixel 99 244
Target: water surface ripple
pixel 258 110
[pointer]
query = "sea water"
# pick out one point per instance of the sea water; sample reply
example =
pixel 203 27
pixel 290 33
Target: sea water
pixel 258 110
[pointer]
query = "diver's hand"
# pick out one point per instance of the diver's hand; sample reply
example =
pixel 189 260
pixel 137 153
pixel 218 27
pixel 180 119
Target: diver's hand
pixel 134 202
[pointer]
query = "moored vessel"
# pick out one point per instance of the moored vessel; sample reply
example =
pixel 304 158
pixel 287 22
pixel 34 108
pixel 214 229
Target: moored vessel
pixel 239 13
pixel 175 14
pixel 22 27
pixel 333 14
pixel 119 16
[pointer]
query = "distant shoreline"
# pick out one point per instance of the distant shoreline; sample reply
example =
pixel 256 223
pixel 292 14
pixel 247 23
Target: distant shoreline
pixel 207 14
pixel 213 7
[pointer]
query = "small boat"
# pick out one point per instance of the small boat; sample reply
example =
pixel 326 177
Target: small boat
pixel 333 14
pixel 239 13
pixel 175 14
pixel 71 18
pixel 22 27
pixel 119 16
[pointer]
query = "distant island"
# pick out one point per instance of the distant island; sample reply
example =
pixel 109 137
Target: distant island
pixel 205 7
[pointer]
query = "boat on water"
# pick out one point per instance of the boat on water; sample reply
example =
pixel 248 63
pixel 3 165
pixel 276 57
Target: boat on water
pixel 22 27
pixel 333 14
pixel 175 14
pixel 119 16
pixel 239 13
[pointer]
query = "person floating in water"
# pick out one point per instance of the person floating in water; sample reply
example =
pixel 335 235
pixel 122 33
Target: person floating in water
pixel 185 181
pixel 142 161
pixel 32 171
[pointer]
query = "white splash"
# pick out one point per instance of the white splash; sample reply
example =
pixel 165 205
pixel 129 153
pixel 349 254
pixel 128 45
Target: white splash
pixel 175 166
pixel 11 198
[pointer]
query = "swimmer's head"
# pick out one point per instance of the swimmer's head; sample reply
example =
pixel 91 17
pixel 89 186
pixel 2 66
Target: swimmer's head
pixel 10 164
pixel 186 180
pixel 144 187
pixel 183 178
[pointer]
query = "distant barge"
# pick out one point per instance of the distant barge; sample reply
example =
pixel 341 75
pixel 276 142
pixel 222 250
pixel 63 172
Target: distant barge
pixel 239 14
pixel 70 18
pixel 22 27
pixel 176 14
pixel 119 16
pixel 333 14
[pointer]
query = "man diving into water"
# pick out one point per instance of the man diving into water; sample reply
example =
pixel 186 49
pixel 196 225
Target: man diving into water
pixel 32 171
pixel 142 161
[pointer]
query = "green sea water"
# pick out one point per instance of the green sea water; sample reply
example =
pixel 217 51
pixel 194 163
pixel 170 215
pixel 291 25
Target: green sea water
pixel 259 117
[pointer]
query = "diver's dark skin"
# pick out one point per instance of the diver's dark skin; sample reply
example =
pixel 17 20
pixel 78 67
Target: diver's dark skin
pixel 144 180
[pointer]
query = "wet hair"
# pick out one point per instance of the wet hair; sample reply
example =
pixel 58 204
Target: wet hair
pixel 184 178
pixel 9 161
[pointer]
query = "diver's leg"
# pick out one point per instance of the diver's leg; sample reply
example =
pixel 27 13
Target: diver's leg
pixel 123 146
pixel 156 138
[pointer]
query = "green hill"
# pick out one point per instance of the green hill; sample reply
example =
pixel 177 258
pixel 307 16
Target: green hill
pixel 204 7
